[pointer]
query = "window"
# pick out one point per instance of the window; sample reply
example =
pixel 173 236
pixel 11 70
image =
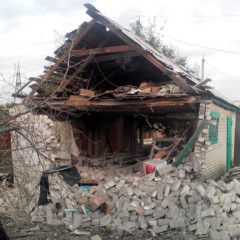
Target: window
pixel 213 128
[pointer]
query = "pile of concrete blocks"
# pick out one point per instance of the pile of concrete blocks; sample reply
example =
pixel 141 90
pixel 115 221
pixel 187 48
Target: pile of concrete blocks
pixel 156 202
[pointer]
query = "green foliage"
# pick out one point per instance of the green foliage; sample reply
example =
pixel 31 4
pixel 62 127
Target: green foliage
pixel 152 37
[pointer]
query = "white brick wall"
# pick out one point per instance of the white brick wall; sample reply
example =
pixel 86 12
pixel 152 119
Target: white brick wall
pixel 214 156
pixel 38 143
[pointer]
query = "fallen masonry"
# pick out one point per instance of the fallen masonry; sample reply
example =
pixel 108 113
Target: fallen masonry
pixel 177 200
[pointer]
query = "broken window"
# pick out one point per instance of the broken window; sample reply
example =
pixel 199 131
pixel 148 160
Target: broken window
pixel 213 128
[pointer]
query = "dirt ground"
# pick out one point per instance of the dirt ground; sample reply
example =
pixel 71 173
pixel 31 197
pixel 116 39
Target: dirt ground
pixel 19 227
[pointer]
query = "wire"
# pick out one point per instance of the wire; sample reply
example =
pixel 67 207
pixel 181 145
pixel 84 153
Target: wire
pixel 181 17
pixel 220 71
pixel 206 47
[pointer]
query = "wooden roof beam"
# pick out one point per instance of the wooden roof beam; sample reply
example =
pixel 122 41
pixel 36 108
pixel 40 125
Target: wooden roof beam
pixel 79 37
pixel 104 50
pixel 116 56
pixel 75 74
pixel 179 80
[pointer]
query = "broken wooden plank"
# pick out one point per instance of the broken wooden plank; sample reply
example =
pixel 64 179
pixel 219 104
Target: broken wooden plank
pixel 179 80
pixel 86 93
pixel 80 36
pixel 104 50
pixel 115 56
pixel 75 74
pixel 191 142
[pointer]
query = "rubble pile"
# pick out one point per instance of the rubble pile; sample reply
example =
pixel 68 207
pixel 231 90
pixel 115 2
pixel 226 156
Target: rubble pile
pixel 171 198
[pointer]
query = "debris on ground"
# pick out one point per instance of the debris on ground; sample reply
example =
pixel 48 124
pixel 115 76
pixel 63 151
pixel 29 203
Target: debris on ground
pixel 153 202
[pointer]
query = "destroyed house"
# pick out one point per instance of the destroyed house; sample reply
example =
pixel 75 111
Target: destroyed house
pixel 128 103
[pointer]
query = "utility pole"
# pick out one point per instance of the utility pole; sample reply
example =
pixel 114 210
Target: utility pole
pixel 18 81
pixel 203 61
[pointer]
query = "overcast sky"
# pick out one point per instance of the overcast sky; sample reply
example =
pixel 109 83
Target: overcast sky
pixel 31 29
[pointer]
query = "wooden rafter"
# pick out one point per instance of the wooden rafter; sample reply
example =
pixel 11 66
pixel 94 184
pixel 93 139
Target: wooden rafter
pixel 75 74
pixel 78 38
pixel 104 50
pixel 115 56
pixel 179 80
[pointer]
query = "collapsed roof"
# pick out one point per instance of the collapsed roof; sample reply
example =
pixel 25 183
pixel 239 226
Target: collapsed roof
pixel 101 51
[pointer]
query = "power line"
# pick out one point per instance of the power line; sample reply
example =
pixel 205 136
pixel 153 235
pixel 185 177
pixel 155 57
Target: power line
pixel 206 47
pixel 181 17
pixel 220 71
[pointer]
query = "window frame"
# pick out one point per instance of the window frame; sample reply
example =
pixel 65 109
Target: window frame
pixel 214 116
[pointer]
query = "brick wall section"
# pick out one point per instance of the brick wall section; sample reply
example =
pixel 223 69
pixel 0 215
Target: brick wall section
pixel 212 158
pixel 38 145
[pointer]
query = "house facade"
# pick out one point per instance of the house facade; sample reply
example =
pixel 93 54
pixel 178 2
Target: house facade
pixel 126 103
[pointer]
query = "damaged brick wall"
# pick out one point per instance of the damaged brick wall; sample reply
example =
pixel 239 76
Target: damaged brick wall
pixel 39 144
pixel 211 158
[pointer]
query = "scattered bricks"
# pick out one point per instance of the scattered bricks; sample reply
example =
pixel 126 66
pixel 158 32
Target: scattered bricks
pixel 152 223
pixel 215 200
pixel 106 220
pixel 130 226
pixel 129 191
pixel 173 211
pixel 214 222
pixel 163 222
pixel 210 192
pixel 177 223
pixel 192 227
pixel 227 204
pixel 233 207
pixel 156 230
pixel 159 213
pixel 151 206
pixel 208 213
pixel 96 223
pixel 214 235
pixel 236 216
pixel 167 190
pixel 181 173
pixel 135 204
pixel 76 220
pixel 201 190
pixel 139 210
pixel 183 202
pixel 154 194
pixel 165 203
pixel 120 184
pixel 202 228
pixel 148 212
pixel 176 186
pixel 109 185
pixel 225 236
pixel 119 205
pixel 232 195
pixel 133 217
pixel 191 212
pixel 96 237
pixel 195 198
pixel 236 186
pixel 97 200
pixel 221 185
pixel 142 224
pixel 198 213
pixel 49 214
pixel 235 233
pixel 167 169
pixel 69 203
pixel 230 186
pixel 185 190
pixel 81 233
